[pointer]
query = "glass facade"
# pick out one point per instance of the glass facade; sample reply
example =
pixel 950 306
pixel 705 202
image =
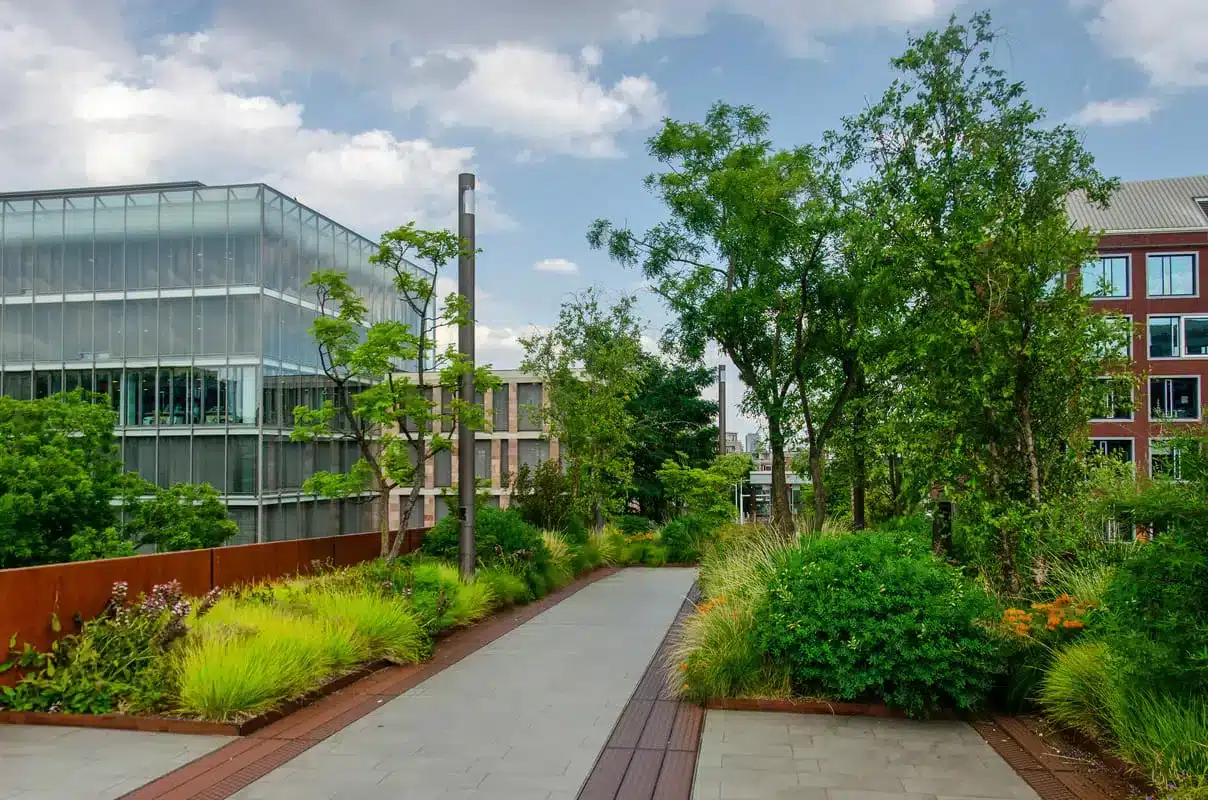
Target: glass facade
pixel 186 304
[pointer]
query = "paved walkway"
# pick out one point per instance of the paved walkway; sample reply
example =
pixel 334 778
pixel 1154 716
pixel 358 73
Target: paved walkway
pixel 47 763
pixel 756 755
pixel 524 717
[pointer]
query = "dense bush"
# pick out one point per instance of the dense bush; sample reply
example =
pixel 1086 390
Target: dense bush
pixel 685 538
pixel 630 524
pixel 500 537
pixel 1157 613
pixel 871 617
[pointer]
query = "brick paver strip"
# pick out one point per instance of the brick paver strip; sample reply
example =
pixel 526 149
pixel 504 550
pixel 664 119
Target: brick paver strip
pixel 1052 777
pixel 226 771
pixel 652 750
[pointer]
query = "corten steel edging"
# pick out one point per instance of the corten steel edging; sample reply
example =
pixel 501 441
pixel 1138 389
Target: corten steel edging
pixel 652 749
pixel 233 767
pixel 31 598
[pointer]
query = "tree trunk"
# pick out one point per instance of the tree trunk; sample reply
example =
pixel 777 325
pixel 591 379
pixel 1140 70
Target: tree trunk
pixel 859 476
pixel 1029 447
pixel 895 484
pixel 598 513
pixel 819 487
pixel 782 515
pixel 383 507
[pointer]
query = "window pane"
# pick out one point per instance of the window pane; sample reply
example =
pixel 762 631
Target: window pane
pixel 443 462
pixel 48 332
pixel 505 464
pixel 1121 449
pixel 78 341
pixel 16 334
pixel 241 465
pixel 532 452
pixel 482 459
pixel 1163 459
pixel 1171 275
pixel 1163 337
pixel 1184 397
pixel 499 398
pixel 528 405
pixel 1106 277
pixel 1115 400
pixel 1197 336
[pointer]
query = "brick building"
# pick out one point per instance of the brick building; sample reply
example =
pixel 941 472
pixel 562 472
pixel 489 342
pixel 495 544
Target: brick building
pixel 1151 266
pixel 516 437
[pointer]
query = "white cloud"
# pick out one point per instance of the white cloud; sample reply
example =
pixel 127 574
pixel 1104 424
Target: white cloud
pixel 83 105
pixel 1165 38
pixel 535 94
pixel 591 56
pixel 1116 112
pixel 558 265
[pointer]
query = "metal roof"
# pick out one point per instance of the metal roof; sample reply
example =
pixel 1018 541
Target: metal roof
pixel 1169 204
pixel 133 188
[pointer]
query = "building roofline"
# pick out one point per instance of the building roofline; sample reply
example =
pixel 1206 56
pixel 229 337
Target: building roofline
pixel 36 194
pixel 1142 231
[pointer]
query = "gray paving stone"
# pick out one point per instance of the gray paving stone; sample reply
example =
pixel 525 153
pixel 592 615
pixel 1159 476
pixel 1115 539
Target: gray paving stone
pixel 758 755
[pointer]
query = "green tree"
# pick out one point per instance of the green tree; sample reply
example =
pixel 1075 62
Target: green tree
pixel 729 259
pixel 670 420
pixel 589 364
pixel 971 189
pixel 181 517
pixel 388 414
pixel 705 492
pixel 59 470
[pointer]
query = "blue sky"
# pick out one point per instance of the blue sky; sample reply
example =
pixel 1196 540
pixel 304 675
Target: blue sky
pixel 367 109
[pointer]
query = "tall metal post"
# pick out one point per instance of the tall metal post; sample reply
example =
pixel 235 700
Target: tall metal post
pixel 465 342
pixel 721 409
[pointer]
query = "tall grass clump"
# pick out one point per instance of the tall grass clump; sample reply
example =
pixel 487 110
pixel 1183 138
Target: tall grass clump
pixel 386 625
pixel 611 544
pixel 1077 690
pixel 259 657
pixel 508 587
pixel 560 568
pixel 1166 736
pixel 471 602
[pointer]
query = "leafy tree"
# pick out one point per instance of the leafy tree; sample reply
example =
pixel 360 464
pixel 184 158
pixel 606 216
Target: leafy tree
pixel 182 517
pixel 589 364
pixel 543 495
pixel 670 420
pixel 971 189
pixel 707 493
pixel 59 470
pixel 388 414
pixel 728 261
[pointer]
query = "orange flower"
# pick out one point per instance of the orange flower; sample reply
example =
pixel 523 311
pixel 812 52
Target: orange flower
pixel 684 666
pixel 1072 623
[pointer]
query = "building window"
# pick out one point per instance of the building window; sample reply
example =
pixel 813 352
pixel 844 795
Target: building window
pixel 1174 398
pixel 532 452
pixel 1115 401
pixel 1195 336
pixel 1115 530
pixel 1165 461
pixel 505 465
pixel 1106 277
pixel 1171 275
pixel 1121 449
pixel 499 399
pixel 1119 345
pixel 482 459
pixel 443 467
pixel 1164 337
pixel 528 402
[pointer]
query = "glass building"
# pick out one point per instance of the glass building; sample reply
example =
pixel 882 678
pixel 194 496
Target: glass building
pixel 186 305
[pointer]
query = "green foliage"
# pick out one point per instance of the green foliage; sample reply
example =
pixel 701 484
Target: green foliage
pixel 59 470
pixel 1157 619
pixel 654 555
pixel 385 624
pixel 707 492
pixel 685 538
pixel 630 524
pixel 507 587
pixel 576 530
pixel 1077 690
pixel 589 365
pixel 388 414
pixel 560 569
pixel 118 662
pixel 670 421
pixel 501 537
pixel 182 517
pixel 867 616
pixel 543 495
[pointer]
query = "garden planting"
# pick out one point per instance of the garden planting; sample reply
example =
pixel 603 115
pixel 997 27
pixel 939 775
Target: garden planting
pixel 235 654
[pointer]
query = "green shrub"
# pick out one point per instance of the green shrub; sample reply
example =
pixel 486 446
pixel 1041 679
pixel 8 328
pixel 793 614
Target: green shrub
pixel 576 530
pixel 871 617
pixel 387 626
pixel 587 556
pixel 630 524
pixel 500 536
pixel 1077 690
pixel 611 544
pixel 1165 735
pixel 472 602
pixel 434 586
pixel 685 538
pixel 559 569
pixel 507 587
pixel 1157 614
pixel 655 556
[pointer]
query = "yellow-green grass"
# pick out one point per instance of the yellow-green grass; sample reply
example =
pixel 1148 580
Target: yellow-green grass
pixel 561 569
pixel 386 625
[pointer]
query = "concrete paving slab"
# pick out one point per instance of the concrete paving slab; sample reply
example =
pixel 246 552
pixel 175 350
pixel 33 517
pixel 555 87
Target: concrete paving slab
pixel 38 761
pixel 758 755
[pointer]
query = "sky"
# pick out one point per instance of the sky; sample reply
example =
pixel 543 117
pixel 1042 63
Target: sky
pixel 368 109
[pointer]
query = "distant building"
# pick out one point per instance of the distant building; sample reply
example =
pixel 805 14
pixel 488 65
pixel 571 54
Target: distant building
pixel 732 445
pixel 515 438
pixel 752 443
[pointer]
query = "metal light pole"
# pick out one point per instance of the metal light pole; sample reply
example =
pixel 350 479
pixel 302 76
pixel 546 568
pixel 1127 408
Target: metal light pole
pixel 465 342
pixel 721 409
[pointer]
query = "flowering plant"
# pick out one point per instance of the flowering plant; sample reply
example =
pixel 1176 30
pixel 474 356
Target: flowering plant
pixel 1062 615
